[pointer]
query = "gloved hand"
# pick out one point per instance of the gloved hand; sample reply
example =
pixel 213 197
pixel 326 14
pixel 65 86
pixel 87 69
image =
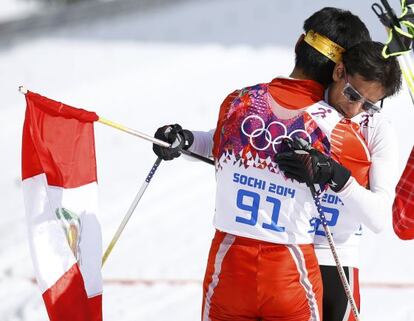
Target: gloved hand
pixel 178 138
pixel 307 165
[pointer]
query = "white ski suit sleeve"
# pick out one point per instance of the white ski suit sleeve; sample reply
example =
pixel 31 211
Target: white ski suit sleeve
pixel 203 143
pixel 372 206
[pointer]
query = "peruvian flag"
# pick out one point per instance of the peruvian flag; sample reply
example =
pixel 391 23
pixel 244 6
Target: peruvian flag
pixel 60 193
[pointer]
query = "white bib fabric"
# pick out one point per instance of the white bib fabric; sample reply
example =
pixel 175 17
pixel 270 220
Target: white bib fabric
pixel 254 199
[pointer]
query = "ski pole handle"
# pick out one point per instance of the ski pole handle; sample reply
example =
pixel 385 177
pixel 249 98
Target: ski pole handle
pixel 391 13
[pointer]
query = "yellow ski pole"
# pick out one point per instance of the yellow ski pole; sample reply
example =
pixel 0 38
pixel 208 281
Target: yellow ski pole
pixel 151 139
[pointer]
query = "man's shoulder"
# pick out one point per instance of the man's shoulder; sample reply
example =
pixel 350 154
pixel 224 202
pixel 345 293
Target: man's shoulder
pixel 245 96
pixel 376 121
pixel 258 89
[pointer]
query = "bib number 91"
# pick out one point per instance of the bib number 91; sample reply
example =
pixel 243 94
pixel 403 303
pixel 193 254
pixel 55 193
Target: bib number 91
pixel 249 201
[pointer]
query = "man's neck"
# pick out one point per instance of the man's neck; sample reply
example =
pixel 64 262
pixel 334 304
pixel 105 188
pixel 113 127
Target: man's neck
pixel 298 74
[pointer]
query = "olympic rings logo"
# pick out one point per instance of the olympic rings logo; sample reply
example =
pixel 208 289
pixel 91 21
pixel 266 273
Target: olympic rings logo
pixel 267 133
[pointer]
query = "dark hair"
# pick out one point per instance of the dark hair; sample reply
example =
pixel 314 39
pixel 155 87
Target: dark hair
pixel 341 27
pixel 366 60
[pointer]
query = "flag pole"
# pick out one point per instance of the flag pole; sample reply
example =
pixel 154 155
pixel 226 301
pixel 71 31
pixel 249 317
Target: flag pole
pixel 23 90
pixel 136 133
pixel 151 139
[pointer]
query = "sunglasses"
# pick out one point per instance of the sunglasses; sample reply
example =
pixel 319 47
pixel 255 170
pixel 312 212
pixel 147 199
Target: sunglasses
pixel 354 96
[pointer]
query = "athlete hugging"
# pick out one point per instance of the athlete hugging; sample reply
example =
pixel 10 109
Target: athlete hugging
pixel 269 259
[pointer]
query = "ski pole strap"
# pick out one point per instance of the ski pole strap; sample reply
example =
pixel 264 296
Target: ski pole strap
pixel 399 41
pixel 324 45
pixel 407 15
pixel 407 7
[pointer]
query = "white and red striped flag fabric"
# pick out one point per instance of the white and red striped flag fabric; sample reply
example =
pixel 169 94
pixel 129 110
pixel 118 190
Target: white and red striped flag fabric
pixel 60 192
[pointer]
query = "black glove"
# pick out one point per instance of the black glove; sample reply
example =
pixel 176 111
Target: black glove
pixel 307 165
pixel 178 138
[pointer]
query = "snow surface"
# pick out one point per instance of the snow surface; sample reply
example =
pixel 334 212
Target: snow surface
pixel 145 70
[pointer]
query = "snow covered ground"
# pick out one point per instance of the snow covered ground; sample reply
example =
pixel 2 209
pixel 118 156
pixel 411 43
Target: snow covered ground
pixel 170 65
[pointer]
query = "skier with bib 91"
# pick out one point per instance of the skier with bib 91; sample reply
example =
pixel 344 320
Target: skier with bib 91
pixel 262 264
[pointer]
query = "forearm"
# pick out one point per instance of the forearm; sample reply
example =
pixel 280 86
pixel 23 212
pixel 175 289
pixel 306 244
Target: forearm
pixel 373 206
pixel 203 143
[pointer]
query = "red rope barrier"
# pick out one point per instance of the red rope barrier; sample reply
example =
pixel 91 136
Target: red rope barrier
pixel 180 282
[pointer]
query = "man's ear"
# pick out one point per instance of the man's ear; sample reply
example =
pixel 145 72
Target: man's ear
pixel 300 39
pixel 338 72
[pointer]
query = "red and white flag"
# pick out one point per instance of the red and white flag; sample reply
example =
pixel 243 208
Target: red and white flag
pixel 60 193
